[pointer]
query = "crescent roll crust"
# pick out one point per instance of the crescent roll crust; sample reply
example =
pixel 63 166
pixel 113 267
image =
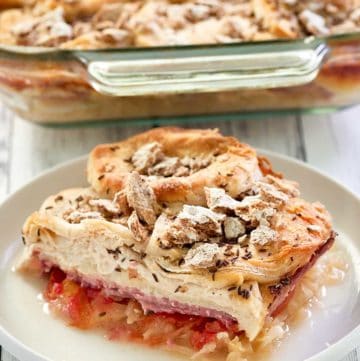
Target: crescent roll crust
pixel 177 163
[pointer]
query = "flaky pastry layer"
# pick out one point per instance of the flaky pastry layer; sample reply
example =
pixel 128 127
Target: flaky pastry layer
pixel 228 163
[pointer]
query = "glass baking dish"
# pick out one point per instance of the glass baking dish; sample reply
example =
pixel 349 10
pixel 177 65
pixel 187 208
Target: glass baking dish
pixel 68 87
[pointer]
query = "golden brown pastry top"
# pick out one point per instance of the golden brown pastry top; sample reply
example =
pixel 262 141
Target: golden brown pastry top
pixel 93 24
pixel 219 210
pixel 177 163
pixel 266 235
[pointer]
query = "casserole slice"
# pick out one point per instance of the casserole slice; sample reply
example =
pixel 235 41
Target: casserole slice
pixel 232 263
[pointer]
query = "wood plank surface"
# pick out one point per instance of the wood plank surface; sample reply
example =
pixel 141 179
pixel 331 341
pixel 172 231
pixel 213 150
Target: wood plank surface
pixel 5 149
pixel 332 144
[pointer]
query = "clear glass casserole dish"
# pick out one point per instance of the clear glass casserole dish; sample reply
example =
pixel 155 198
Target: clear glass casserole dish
pixel 57 87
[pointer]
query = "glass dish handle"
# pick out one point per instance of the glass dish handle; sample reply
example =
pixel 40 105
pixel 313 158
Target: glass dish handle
pixel 195 69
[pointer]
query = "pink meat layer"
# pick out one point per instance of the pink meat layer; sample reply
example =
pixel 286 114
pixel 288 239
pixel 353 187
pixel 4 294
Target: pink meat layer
pixel 163 304
pixel 157 304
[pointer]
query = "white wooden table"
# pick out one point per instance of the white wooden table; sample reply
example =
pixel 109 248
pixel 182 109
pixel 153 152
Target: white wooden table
pixel 331 143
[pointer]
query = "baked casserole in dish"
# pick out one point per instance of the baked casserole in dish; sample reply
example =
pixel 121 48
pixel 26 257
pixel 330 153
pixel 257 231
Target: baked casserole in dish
pixel 73 61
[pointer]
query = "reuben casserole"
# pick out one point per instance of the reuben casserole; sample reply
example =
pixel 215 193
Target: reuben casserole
pixel 56 81
pixel 184 239
pixel 83 24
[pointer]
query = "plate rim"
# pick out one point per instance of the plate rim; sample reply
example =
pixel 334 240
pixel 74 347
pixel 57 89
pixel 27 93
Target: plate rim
pixel 339 348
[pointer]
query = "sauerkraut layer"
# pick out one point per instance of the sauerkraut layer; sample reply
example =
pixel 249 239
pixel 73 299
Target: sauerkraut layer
pixel 201 338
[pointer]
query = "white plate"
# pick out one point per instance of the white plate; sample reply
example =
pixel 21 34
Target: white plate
pixel 30 334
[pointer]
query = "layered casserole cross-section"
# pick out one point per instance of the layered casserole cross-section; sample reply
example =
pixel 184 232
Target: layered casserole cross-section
pixel 159 226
